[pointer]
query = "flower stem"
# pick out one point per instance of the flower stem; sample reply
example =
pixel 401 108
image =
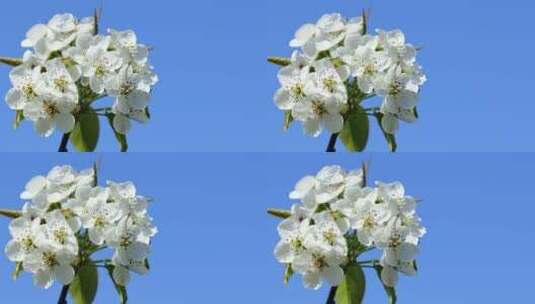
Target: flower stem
pixel 63 295
pixel 64 142
pixel 332 143
pixel 367 266
pixel 332 294
pixel 102 109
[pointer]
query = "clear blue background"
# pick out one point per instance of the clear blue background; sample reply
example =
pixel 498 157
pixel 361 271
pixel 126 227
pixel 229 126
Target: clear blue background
pixel 216 88
pixel 215 243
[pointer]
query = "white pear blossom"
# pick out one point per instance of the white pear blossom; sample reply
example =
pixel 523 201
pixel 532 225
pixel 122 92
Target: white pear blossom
pixel 293 80
pixel 69 66
pixel 101 64
pixel 51 113
pixel 337 66
pixel 318 264
pixel 67 217
pixel 327 81
pixel 126 43
pixel 24 79
pixel 318 112
pixel 130 251
pixel 131 99
pixel 49 263
pixel 24 231
pixel 58 81
pixel 292 234
pixel 59 232
pixel 338 217
pixel 330 182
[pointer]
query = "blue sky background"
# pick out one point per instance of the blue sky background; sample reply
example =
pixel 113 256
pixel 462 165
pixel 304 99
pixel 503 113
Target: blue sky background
pixel 215 243
pixel 216 88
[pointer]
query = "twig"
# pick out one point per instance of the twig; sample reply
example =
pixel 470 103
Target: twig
pixel 332 143
pixel 63 295
pixel 332 294
pixel 64 142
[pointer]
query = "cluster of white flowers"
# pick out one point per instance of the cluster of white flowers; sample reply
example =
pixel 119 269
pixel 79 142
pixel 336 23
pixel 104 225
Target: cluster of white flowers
pixel 335 207
pixel 335 58
pixel 70 66
pixel 67 218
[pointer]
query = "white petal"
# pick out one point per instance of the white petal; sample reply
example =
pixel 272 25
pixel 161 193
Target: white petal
pixel 408 252
pixel 124 190
pixel 96 84
pixel 303 34
pixel 35 33
pixel 121 275
pixel 312 127
pixel 312 280
pixel 18 226
pixel 41 48
pixel 334 275
pixel 44 127
pixel 138 99
pixel 138 251
pixel 14 99
pixel 389 276
pixel 64 274
pixel 65 122
pixel 283 252
pixel 392 190
pixel 333 122
pixel 283 100
pixel 122 124
pixel 96 236
pixel 408 115
pixel 390 123
pixel 33 187
pixel 14 251
pixel 303 187
pixel 43 279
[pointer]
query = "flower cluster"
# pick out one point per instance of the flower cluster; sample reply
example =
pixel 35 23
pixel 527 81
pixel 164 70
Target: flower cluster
pixel 338 65
pixel 70 66
pixel 338 218
pixel 67 218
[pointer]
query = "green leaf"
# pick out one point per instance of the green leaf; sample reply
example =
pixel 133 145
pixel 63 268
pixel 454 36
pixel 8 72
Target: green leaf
pixel 11 61
pixel 288 273
pixel 16 272
pixel 84 286
pixel 288 119
pixel 356 130
pixel 282 61
pixel 19 117
pixel 13 214
pixel 390 138
pixel 352 288
pixel 390 291
pixel 280 213
pixel 121 290
pixel 85 135
pixel 121 138
pixel 53 206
